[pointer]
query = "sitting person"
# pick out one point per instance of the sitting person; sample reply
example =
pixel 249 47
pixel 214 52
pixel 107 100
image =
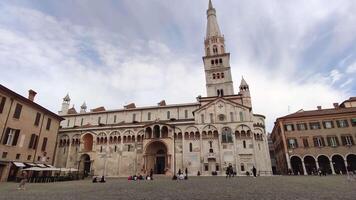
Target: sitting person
pixel 148 177
pixel 140 177
pixel 181 177
pixel 102 180
pixel 134 177
pixel 95 179
pixel 174 177
pixel 129 178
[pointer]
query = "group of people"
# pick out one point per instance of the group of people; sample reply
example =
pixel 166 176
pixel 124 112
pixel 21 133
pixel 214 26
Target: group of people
pixel 230 171
pixel 140 177
pixel 180 175
pixel 102 179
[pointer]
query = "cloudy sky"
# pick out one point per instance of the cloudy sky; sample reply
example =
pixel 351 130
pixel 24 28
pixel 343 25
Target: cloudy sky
pixel 293 54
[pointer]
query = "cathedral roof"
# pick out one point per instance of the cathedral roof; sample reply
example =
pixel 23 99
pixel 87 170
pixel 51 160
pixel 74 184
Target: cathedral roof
pixel 99 109
pixel 220 99
pixel 72 111
pixel 212 27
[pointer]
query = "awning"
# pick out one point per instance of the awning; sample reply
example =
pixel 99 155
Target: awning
pixel 41 169
pixel 31 164
pixel 33 169
pixel 41 165
pixel 19 164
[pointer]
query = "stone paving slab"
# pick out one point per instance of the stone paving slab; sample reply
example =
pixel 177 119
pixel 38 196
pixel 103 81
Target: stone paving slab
pixel 277 187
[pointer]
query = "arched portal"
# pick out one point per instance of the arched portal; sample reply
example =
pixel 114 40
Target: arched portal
pixel 85 165
pixel 339 164
pixel 351 162
pixel 156 158
pixel 297 166
pixel 324 164
pixel 310 165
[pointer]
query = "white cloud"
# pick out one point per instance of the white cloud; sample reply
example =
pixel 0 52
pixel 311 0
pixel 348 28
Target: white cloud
pixel 54 56
pixel 351 68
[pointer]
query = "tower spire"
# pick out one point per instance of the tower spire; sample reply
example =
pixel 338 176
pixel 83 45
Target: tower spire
pixel 216 59
pixel 212 27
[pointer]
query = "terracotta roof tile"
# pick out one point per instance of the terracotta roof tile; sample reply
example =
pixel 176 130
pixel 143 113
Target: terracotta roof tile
pixel 320 112
pixel 99 109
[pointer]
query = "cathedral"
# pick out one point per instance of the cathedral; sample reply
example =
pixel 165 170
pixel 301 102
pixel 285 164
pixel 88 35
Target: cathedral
pixel 204 137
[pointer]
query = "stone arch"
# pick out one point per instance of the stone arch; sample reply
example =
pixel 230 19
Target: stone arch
pixel 324 164
pixel 148 133
pixel 164 132
pixel 197 135
pixel 156 157
pixel 87 139
pixel 76 139
pixel 351 161
pixel 156 131
pixel 242 127
pixel 297 165
pixel 310 164
pixel 338 163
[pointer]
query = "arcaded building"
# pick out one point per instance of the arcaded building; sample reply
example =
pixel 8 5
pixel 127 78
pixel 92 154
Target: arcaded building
pixel 28 133
pixel 324 139
pixel 204 136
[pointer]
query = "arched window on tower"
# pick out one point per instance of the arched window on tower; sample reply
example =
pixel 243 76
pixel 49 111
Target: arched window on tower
pixel 220 61
pixel 190 147
pixel 218 92
pixel 168 115
pixel 215 49
pixel 222 92
pixel 218 75
pixel 244 144
pixel 214 76
pixel 212 62
pixel 222 75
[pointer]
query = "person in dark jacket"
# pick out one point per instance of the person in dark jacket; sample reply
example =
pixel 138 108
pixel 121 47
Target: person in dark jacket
pixel 254 171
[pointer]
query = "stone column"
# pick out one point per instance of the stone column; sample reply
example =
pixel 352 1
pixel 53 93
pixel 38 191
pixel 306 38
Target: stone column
pixel 69 151
pixel 317 164
pixel 345 161
pixel 304 169
pixel 332 166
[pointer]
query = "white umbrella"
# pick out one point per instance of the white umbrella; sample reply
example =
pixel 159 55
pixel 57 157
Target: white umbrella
pixel 33 169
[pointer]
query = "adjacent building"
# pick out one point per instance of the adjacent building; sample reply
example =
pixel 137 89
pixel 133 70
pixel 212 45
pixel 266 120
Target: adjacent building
pixel 204 136
pixel 28 133
pixel 317 139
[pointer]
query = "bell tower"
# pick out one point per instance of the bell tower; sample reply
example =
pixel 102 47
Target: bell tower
pixel 216 59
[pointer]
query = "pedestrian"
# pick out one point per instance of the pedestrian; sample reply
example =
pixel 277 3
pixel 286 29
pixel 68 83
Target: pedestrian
pixel 186 173
pixel 151 174
pixel 179 172
pixel 254 171
pixel 350 173
pixel 23 180
pixel 102 180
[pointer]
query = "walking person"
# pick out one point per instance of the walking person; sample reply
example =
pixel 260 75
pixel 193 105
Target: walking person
pixel 350 173
pixel 151 174
pixel 186 174
pixel 23 180
pixel 254 171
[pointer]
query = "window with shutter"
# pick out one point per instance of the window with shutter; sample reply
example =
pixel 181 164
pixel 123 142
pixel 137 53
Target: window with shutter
pixel 37 120
pixel 16 137
pixel 48 126
pixel 35 142
pixel 44 144
pixel 2 104
pixel 6 136
pixel 30 145
pixel 17 112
